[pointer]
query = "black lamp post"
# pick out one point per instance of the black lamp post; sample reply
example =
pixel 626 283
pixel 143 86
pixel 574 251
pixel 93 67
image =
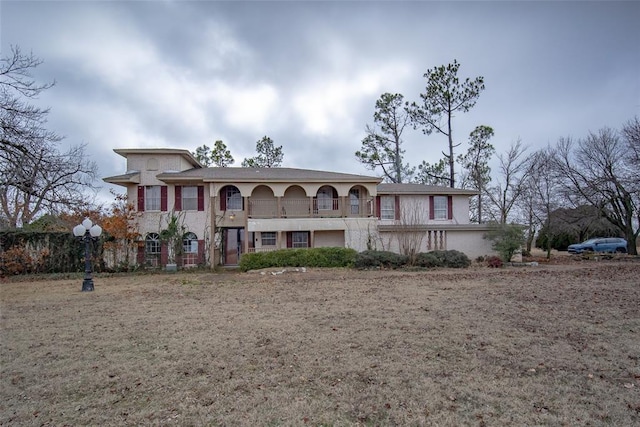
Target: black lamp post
pixel 87 232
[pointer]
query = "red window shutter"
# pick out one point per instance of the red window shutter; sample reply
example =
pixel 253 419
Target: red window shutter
pixel 289 239
pixel 200 252
pixel 223 199
pixel 178 198
pixel 308 239
pixel 397 207
pixel 164 255
pixel 432 214
pixel 163 198
pixel 200 198
pixel 378 207
pixel 450 207
pixel 141 254
pixel 140 198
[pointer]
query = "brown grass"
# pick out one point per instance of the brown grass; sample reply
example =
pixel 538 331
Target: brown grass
pixel 547 345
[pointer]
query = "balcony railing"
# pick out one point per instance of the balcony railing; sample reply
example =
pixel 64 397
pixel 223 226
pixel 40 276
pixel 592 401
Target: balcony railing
pixel 310 208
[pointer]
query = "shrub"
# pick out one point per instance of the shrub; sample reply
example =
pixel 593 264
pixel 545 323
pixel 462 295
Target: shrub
pixel 312 257
pixel 15 261
pixel 380 259
pixel 506 238
pixel 429 260
pixel 494 261
pixel 450 259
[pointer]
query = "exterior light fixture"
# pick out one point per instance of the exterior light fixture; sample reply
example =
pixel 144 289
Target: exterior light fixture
pixel 232 216
pixel 87 232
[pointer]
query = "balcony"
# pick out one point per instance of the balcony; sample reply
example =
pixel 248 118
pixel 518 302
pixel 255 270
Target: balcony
pixel 310 208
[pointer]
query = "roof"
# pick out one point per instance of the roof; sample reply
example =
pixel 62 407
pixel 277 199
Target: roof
pixel 132 177
pixel 186 154
pixel 239 174
pixel 422 189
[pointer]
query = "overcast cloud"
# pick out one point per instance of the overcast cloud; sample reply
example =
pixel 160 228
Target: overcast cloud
pixel 307 74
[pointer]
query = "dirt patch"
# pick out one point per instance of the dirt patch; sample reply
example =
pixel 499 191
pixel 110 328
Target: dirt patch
pixel 555 344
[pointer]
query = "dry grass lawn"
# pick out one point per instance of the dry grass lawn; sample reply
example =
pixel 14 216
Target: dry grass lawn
pixel 546 345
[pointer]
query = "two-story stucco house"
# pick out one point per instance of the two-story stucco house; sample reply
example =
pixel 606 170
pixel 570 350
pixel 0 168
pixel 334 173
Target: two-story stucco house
pixel 226 212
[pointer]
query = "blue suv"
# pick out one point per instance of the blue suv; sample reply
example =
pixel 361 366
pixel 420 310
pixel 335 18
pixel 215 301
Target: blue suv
pixel 600 244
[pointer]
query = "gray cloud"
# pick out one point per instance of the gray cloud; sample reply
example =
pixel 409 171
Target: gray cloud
pixel 307 74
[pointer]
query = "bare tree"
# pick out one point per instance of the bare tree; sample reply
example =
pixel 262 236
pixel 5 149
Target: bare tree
pixel 509 184
pixel 541 193
pixel 410 233
pixel 34 176
pixel 601 171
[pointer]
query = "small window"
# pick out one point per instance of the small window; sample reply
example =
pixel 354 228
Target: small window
pixel 152 244
pixel 190 198
pixel 440 207
pixel 234 199
pixel 190 243
pixel 268 238
pixel 300 239
pixel 152 198
pixel 387 207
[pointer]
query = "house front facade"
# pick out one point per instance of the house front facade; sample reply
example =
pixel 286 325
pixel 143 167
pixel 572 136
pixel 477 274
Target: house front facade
pixel 224 213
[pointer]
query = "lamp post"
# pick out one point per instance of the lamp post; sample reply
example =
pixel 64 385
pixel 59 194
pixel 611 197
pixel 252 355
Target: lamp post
pixel 87 231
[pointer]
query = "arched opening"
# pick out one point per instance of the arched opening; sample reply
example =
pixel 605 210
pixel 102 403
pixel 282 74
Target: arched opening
pixel 230 198
pixel 189 249
pixel 152 249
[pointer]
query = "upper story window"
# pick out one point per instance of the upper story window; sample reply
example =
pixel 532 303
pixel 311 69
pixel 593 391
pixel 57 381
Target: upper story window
pixel 190 198
pixel 234 199
pixel 440 207
pixel 152 198
pixel 387 207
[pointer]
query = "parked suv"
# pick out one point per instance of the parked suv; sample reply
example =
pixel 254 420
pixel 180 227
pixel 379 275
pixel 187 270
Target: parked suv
pixel 600 244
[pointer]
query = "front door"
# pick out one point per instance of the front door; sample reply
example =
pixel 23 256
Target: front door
pixel 233 245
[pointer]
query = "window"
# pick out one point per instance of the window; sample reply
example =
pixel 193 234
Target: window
pixel 325 198
pixel 440 207
pixel 300 239
pixel 354 200
pixel 152 198
pixel 268 238
pixel 387 207
pixel 152 244
pixel 234 199
pixel 190 243
pixel 190 198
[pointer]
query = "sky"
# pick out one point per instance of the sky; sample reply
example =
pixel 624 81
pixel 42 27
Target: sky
pixel 180 74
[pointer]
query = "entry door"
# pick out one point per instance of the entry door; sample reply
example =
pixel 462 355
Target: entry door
pixel 234 238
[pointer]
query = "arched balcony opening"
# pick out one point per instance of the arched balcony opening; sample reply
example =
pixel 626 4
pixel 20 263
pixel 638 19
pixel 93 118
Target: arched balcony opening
pixel 231 199
pixel 295 203
pixel 360 203
pixel 263 203
pixel 326 203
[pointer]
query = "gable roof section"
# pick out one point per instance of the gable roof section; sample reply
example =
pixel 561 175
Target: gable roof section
pixel 416 189
pixel 186 154
pixel 235 174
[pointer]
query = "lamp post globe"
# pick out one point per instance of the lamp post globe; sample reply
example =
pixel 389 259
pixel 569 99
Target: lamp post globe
pixel 87 232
